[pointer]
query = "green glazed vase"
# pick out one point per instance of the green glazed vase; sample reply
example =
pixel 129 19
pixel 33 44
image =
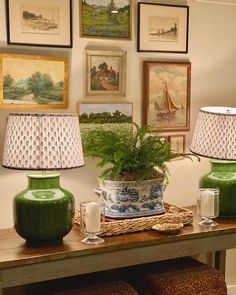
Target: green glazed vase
pixel 223 176
pixel 44 212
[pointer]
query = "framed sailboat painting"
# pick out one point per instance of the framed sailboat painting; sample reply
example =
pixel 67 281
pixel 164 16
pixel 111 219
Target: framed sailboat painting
pixel 166 95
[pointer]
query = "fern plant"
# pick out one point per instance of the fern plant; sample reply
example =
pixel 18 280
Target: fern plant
pixel 129 157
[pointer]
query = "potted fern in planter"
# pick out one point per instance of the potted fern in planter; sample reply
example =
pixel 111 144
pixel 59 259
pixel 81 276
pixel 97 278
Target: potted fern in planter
pixel 133 183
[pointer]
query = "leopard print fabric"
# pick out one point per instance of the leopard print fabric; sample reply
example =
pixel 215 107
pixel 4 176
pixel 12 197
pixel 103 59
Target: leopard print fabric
pixel 105 288
pixel 182 276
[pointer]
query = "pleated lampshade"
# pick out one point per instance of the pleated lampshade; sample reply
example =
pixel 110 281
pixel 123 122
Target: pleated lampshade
pixel 215 133
pixel 42 142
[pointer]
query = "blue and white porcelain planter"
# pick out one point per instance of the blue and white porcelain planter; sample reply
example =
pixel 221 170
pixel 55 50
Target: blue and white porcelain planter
pixel 126 199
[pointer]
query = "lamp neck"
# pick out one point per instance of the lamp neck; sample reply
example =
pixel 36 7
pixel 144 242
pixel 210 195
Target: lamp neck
pixel 43 181
pixel 223 166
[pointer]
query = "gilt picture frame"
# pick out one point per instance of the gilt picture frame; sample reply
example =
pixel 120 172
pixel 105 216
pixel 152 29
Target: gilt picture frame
pixel 105 73
pixel 162 28
pixel 44 23
pixel 43 84
pixel 166 96
pixel 106 19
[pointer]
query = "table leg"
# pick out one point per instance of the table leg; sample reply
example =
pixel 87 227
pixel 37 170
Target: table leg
pixel 1 292
pixel 220 258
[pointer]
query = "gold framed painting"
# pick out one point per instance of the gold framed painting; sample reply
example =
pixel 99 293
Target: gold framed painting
pixel 166 95
pixel 39 23
pixel 33 82
pixel 105 73
pixel 106 19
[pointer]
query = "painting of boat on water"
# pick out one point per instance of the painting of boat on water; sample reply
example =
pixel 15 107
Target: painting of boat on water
pixel 166 95
pixel 105 18
pixel 165 29
pixel 105 73
pixel 162 27
pixel 29 81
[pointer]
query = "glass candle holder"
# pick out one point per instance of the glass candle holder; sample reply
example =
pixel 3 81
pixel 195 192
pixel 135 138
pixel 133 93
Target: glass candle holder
pixel 208 205
pixel 92 221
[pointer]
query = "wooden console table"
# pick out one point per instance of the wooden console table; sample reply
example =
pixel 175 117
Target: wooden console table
pixel 20 264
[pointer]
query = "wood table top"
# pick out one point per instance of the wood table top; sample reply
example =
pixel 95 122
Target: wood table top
pixel 14 251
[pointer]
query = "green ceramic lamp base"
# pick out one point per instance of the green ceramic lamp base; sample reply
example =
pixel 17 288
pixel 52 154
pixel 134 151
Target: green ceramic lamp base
pixel 44 212
pixel 223 176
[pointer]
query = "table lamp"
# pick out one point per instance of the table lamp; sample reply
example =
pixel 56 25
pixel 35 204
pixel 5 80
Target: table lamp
pixel 44 212
pixel 215 137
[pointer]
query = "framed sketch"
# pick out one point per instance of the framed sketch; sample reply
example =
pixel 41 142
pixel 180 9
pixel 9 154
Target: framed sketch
pixel 177 143
pixel 39 23
pixel 33 81
pixel 163 28
pixel 105 19
pixel 166 95
pixel 105 115
pixel 105 73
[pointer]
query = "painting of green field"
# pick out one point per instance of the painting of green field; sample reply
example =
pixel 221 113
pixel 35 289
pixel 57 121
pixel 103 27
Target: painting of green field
pixel 106 18
pixel 116 117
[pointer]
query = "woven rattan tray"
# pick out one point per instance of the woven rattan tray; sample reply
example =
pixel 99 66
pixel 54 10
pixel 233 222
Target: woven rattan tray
pixel 173 214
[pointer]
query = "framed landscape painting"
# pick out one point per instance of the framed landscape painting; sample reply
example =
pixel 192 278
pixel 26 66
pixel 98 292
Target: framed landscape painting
pixel 105 18
pixel 116 116
pixel 39 23
pixel 32 81
pixel 166 95
pixel 177 143
pixel 105 73
pixel 163 27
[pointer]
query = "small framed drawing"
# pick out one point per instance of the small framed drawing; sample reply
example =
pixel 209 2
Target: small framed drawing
pixel 42 84
pixel 105 115
pixel 105 73
pixel 39 23
pixel 177 143
pixel 105 19
pixel 166 95
pixel 162 28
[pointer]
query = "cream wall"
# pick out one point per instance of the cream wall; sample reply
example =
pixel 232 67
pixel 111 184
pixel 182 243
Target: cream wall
pixel 212 52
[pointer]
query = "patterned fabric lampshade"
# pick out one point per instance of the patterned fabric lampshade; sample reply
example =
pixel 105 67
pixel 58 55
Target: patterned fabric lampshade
pixel 44 212
pixel 215 133
pixel 215 137
pixel 42 142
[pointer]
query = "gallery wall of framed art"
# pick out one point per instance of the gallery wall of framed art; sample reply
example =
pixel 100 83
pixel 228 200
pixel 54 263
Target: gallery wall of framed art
pixel 103 74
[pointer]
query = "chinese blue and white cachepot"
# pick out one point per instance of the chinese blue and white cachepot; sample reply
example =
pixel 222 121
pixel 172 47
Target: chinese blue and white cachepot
pixel 125 199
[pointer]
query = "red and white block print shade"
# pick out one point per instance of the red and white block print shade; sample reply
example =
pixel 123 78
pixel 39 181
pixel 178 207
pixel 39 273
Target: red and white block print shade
pixel 215 133
pixel 42 142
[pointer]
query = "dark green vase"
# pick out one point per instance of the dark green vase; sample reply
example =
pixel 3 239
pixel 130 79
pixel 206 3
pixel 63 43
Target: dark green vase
pixel 44 212
pixel 223 176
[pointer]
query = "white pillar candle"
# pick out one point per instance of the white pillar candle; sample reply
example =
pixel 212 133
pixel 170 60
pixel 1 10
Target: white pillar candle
pixel 207 203
pixel 93 217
